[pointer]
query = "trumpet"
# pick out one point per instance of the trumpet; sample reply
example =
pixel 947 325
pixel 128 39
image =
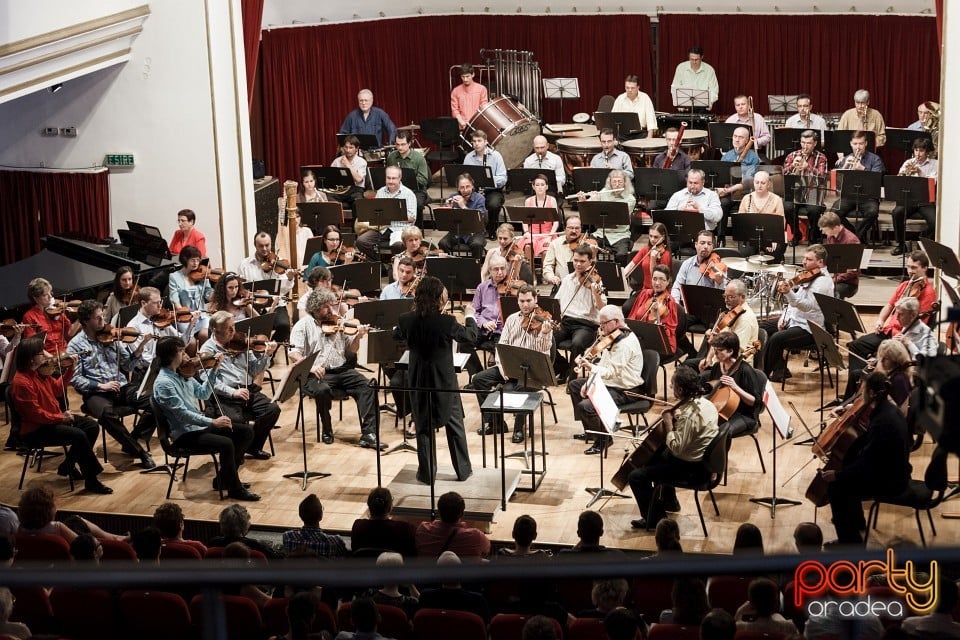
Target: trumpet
pixel 851 162
pixel 910 168
pixel 800 164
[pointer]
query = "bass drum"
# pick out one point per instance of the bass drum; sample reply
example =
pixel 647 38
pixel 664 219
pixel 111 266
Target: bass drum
pixel 510 129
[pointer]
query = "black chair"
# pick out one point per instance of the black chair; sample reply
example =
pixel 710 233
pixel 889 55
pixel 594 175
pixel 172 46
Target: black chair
pixel 171 450
pixel 640 407
pixel 919 495
pixel 714 462
pixel 759 383
pixel 34 453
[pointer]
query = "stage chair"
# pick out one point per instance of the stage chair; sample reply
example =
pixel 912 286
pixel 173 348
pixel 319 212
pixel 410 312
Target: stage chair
pixel 179 551
pixel 117 550
pixel 639 407
pixel 31 453
pixel 154 615
pixel 170 450
pixel 509 626
pixel 714 461
pixel 441 624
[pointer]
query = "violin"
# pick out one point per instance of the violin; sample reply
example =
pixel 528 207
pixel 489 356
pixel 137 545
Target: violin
pixel 592 355
pixel 58 307
pixel 534 321
pixel 62 360
pixel 713 266
pixel 727 319
pixel 804 277
pixel 191 366
pixel 510 287
pixel 658 309
pixel 262 299
pixel 165 317
pixel 110 334
pixel 349 296
pixel 346 327
pixel 352 252
pixel 128 296
pixel 594 278
pixel 203 272
pixel 9 327
pixel 240 344
pixel 592 242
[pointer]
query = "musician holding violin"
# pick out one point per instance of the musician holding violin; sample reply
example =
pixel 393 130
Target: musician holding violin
pixel 264 264
pixel 616 358
pixel 705 269
pixel 531 328
pixel 560 251
pixel 405 286
pixel 792 329
pixel 581 296
pixel 510 250
pixel 190 287
pixel 414 247
pixel 239 398
pixel 176 392
pixel 877 464
pixel 738 387
pixel 656 305
pixel 153 322
pixel 42 421
pixel 103 359
pixel 656 251
pixel 336 342
pixel 123 293
pixel 738 317
pixel 679 442
pixel 48 316
pixel 229 295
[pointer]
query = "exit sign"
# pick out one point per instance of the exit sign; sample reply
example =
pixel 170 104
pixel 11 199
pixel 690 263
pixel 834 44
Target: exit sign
pixel 118 160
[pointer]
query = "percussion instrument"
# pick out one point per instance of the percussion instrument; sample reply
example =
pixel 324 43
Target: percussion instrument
pixel 642 152
pixel 577 152
pixel 554 132
pixel 510 129
pixel 693 142
pixel 582 118
pixel 760 259
pixel 742 265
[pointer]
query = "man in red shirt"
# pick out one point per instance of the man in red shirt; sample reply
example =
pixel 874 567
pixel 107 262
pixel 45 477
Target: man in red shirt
pixel 451 533
pixel 187 234
pixel 468 97
pixel 845 284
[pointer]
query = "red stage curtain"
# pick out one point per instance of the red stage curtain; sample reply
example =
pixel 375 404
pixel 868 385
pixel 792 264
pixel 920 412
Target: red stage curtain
pixel 34 204
pixel 311 75
pixel 895 58
pixel 252 11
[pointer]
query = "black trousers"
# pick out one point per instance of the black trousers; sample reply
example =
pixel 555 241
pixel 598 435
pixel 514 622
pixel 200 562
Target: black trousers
pixel 259 409
pixel 845 290
pixel 927 212
pixel 779 340
pixel 663 467
pixel 580 333
pixel 813 212
pixel 868 212
pixel 583 410
pixel 229 445
pixel 477 244
pixel 494 202
pixel 103 407
pixel 866 345
pixel 79 437
pixel 486 380
pixel 281 324
pixel 354 385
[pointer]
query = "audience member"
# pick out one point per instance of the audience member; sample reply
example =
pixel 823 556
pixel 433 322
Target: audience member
pixel 168 518
pixel 147 544
pixel 667 537
pixel 718 625
pixel 234 527
pixel 590 530
pixel 451 533
pixel 9 522
pixel 301 612
pixel 749 540
pixel 540 628
pixel 38 509
pixel 310 536
pixel 365 620
pixel 940 623
pixel 8 550
pixel 390 593
pixel 238 551
pixel 623 624
pixel 379 531
pixel 689 601
pixel 761 611
pixel 524 533
pixel 606 596
pixel 86 548
pixel 808 537
pixel 7 628
pixel 452 595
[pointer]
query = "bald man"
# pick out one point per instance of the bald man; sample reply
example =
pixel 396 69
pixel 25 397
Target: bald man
pixel 541 158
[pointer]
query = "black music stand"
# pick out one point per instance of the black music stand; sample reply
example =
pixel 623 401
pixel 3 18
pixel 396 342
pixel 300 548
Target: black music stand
pixel 902 139
pixel 829 357
pixel 609 271
pixel 510 305
pixel 270 285
pixel 380 212
pixel 682 226
pixel 378 177
pixel 843 257
pixel 704 303
pixel 941 257
pixel 461 222
pixel 838 141
pixel 456 274
pixel 799 194
pixel 531 216
pixel 908 192
pixel 367 140
pixel 721 134
pixel 532 370
pixel 760 227
pixel 651 336
pixel 292 382
pixel 382 314
pixel 329 177
pixel 690 99
pixel 589 178
pixel 782 103
pixel 623 123
pixel 482 175
pixel 383 348
pixel 787 139
pixel 840 314
pixel 716 173
pixel 602 214
pixel 859 186
pixel 313 246
pixel 319 215
pixel 657 185
pixel 258 325
pixel 443 131
pixel 126 314
pixel 522 180
pixel 363 276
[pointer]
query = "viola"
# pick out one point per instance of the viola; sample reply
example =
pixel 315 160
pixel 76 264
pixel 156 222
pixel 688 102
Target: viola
pixel 713 266
pixel 110 334
pixel 240 344
pixel 128 296
pixel 58 307
pixel 804 277
pixel 165 317
pixel 510 287
pixel 534 321
pixel 203 272
pixel 191 366
pixel 9 327
pixel 727 319
pixel 594 278
pixel 59 362
pixel 346 327
pixel 599 346
pixel 658 309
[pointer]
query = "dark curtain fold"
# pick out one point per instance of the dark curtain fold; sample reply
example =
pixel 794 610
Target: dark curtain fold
pixel 896 58
pixel 252 11
pixel 311 75
pixel 34 204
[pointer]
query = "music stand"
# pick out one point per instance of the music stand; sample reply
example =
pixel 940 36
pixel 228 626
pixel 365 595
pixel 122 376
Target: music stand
pixel 704 303
pixel 531 216
pixel 329 177
pixel 941 257
pixel 609 271
pixel 383 348
pixel 482 175
pixel 522 180
pixel 716 173
pixel 461 222
pixel 902 139
pixel 721 134
pixel 312 247
pixel 760 227
pixel 319 215
pixel 457 274
pixel 379 212
pixel 829 357
pixel 841 314
pixel 908 192
pixel 363 276
pixel 126 314
pixel 681 225
pixel 602 214
pixel 560 88
pixel 688 98
pixel 787 139
pixel 838 141
pixel 859 186
pixel 382 314
pixel 258 325
pixel 444 132
pixel 367 140
pixel 510 305
pixel 590 178
pixel 294 381
pixel 378 177
pixel 657 184
pixel 651 336
pixel 842 258
pixel 532 370
pixel 782 104
pixel 623 123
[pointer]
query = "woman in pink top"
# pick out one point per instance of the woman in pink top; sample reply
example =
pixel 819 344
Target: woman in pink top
pixel 543 232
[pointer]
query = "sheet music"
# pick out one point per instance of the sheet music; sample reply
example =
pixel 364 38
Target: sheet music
pixel 512 400
pixel 602 402
pixel 779 415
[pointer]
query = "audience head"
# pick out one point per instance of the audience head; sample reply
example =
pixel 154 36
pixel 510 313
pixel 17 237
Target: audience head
pixel 718 625
pixel 667 535
pixel 380 502
pixel 147 544
pixel 540 628
pixel 234 521
pixel 365 615
pixel 311 510
pixel 450 507
pixel 449 559
pixel 168 519
pixel 607 595
pixel 689 598
pixel 8 550
pixel 86 548
pixel 236 551
pixel 6 605
pixel 590 527
pixel 390 559
pixel 948 596
pixel 748 540
pixel 764 595
pixel 524 530
pixel 37 508
pixel 808 537
pixel 621 624
pixel 301 612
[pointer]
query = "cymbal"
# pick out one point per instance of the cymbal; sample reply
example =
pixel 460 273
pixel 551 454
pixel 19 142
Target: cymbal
pixel 785 269
pixel 760 259
pixel 742 265
pixel 409 127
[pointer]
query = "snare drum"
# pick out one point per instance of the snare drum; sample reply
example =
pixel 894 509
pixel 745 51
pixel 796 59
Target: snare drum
pixel 693 142
pixel 577 152
pixel 554 132
pixel 510 129
pixel 644 151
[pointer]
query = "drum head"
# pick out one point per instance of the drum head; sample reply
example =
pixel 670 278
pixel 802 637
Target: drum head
pixel 579 145
pixel 581 118
pixel 648 145
pixel 510 129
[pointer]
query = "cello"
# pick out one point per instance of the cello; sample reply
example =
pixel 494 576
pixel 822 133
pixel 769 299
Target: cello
pixel 643 454
pixel 833 443
pixel 725 399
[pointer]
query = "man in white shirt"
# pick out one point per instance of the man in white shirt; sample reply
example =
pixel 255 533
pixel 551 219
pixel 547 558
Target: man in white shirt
pixel 632 100
pixel 698 199
pixel 804 118
pixel 352 159
pixel 542 158
pixel 483 156
pixel 251 270
pixel 610 157
pixel 923 166
pixel 696 74
pixel 393 189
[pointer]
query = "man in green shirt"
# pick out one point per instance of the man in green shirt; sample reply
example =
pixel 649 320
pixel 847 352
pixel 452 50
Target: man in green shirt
pixel 406 158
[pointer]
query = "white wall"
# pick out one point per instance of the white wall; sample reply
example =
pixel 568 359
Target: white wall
pixel 187 134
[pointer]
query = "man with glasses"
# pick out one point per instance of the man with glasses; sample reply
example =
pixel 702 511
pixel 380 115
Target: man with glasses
pixel 697 270
pixel 694 73
pixel 698 199
pixel 742 322
pixel 924 111
pixel 367 119
pixel 863 118
pixel 559 252
pixel 632 100
pixel 804 118
pixel 811 167
pixel 406 158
